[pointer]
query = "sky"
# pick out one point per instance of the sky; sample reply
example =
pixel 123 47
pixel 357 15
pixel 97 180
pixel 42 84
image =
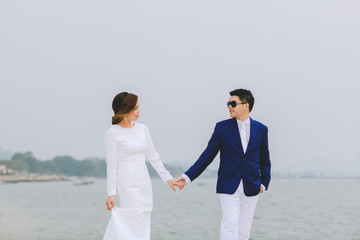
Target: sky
pixel 62 62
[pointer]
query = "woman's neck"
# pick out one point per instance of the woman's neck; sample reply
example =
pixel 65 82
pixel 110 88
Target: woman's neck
pixel 126 124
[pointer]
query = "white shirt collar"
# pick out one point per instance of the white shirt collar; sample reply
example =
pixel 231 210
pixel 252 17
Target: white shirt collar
pixel 247 121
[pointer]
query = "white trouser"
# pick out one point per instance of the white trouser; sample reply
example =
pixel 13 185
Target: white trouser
pixel 237 214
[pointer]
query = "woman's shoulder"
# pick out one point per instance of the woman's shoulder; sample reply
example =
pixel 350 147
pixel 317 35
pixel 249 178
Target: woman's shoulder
pixel 110 130
pixel 141 125
pixel 115 129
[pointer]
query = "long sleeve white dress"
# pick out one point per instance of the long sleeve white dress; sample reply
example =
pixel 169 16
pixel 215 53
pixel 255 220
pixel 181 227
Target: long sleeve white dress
pixel 126 150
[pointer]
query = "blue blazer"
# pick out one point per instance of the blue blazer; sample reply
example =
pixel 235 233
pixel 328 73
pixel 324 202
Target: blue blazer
pixel 253 166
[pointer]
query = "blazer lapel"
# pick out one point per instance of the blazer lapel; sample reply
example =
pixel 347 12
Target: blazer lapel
pixel 253 129
pixel 236 134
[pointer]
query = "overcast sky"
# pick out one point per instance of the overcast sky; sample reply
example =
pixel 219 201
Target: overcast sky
pixel 62 62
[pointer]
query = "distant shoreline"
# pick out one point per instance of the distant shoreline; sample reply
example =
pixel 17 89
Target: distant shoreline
pixel 38 178
pixel 8 179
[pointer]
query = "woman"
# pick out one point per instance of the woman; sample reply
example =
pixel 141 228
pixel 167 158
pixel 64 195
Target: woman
pixel 127 145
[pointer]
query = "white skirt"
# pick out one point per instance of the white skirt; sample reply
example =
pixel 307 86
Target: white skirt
pixel 128 224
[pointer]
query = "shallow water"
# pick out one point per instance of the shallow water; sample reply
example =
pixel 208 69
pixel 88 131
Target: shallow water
pixel 303 209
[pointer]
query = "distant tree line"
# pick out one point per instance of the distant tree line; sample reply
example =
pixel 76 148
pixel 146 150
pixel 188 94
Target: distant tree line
pixel 59 165
pixel 26 163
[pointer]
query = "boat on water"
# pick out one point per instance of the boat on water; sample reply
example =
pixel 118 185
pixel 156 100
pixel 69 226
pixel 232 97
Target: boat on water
pixel 9 182
pixel 84 183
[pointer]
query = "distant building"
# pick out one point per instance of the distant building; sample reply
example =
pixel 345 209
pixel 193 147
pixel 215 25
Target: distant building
pixel 3 169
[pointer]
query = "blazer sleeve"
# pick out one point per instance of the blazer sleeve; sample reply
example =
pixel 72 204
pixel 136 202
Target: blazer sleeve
pixel 154 158
pixel 265 164
pixel 111 162
pixel 207 156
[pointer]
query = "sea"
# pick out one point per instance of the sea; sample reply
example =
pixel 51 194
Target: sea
pixel 291 209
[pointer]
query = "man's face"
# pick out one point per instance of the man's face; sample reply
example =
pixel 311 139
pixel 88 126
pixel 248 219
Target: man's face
pixel 240 109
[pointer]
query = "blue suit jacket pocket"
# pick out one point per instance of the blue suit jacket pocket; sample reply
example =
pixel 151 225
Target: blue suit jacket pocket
pixel 255 178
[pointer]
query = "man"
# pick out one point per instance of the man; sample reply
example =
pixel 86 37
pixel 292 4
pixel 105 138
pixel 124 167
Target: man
pixel 244 170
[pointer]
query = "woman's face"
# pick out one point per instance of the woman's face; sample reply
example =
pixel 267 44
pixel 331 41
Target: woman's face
pixel 135 113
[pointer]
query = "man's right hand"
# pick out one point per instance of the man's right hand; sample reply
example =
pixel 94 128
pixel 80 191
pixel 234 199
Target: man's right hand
pixel 181 181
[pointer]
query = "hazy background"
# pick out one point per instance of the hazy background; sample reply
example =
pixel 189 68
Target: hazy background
pixel 62 62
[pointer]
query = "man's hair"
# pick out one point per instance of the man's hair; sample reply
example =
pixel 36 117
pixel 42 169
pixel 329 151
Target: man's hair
pixel 245 96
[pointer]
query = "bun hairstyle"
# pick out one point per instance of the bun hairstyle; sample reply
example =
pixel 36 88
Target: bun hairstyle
pixel 122 104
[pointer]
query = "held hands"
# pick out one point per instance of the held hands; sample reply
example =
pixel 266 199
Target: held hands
pixel 173 182
pixel 182 182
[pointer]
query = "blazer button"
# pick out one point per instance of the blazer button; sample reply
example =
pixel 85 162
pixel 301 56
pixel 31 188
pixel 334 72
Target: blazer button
pixel 244 158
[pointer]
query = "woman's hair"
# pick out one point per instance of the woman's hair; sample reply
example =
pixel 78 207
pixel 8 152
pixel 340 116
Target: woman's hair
pixel 122 104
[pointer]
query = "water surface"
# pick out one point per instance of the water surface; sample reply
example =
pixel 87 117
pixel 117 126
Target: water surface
pixel 302 209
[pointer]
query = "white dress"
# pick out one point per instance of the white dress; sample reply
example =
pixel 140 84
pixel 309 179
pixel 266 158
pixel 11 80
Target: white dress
pixel 126 150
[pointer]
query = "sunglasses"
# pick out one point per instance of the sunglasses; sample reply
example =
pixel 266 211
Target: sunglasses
pixel 233 103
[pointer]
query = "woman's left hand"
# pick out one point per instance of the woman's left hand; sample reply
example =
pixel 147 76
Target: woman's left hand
pixel 110 202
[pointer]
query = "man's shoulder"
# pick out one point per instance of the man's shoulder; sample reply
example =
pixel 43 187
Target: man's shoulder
pixel 225 122
pixel 258 124
pixel 232 120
